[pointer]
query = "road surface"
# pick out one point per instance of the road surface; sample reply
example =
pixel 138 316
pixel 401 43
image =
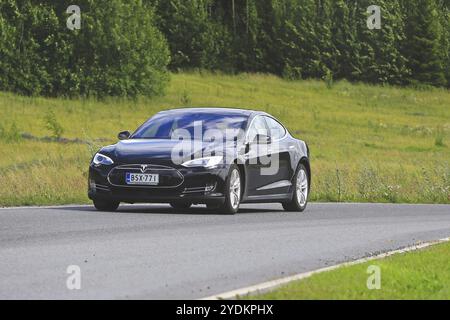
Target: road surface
pixel 153 252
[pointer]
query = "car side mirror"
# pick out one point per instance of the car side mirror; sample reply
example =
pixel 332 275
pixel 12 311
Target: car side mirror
pixel 262 139
pixel 124 135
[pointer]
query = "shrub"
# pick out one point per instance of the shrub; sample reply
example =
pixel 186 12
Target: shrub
pixel 328 78
pixel 53 125
pixel 117 52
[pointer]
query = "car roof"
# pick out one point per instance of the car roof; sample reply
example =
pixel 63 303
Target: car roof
pixel 217 110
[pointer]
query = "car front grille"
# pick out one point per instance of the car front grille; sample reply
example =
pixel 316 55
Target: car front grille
pixel 168 177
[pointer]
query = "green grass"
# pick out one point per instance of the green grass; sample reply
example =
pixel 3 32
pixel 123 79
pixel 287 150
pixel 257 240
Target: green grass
pixel 423 274
pixel 368 143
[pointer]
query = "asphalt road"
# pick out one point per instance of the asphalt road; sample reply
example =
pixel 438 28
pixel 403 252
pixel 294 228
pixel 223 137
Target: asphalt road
pixel 152 252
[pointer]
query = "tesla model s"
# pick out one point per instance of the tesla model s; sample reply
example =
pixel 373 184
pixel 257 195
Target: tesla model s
pixel 214 156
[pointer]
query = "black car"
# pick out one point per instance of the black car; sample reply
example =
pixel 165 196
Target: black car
pixel 214 156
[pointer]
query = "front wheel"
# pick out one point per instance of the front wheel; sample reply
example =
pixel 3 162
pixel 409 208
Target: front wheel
pixel 301 191
pixel 105 205
pixel 233 192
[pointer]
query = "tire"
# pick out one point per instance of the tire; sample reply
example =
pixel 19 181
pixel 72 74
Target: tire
pixel 181 205
pixel 300 193
pixel 233 192
pixel 104 205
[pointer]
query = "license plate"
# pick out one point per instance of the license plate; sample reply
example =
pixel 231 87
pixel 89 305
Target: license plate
pixel 142 179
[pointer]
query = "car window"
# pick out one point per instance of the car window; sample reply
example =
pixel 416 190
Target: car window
pixel 165 125
pixel 277 131
pixel 258 126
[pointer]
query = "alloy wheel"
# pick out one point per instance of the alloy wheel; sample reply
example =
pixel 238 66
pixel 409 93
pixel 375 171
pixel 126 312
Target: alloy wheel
pixel 235 189
pixel 302 187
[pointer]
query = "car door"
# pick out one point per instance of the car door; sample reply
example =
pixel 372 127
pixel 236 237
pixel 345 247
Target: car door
pixel 258 159
pixel 281 154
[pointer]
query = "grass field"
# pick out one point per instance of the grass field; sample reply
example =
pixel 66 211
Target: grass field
pixel 368 143
pixel 423 274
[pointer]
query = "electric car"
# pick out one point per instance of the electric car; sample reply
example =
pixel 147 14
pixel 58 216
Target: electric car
pixel 220 157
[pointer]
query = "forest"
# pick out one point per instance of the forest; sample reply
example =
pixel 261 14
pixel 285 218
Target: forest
pixel 128 47
pixel 311 38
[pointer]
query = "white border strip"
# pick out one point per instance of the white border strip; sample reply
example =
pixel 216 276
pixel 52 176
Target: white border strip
pixel 276 283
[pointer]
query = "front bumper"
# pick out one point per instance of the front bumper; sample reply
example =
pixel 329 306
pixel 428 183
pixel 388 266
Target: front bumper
pixel 195 185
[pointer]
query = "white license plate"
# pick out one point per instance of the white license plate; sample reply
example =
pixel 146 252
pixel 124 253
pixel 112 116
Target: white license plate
pixel 142 179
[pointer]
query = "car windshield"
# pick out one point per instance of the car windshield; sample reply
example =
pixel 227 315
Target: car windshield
pixel 192 125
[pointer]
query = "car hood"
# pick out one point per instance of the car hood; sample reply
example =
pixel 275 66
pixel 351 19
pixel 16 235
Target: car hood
pixel 159 150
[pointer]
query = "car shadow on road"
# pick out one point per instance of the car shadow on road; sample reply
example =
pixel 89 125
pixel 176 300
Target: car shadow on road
pixel 162 209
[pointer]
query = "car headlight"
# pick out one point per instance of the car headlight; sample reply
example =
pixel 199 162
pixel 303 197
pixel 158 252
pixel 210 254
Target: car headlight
pixel 102 159
pixel 207 162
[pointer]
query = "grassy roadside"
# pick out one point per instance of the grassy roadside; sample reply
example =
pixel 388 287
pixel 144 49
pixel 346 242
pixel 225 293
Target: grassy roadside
pixel 423 274
pixel 368 143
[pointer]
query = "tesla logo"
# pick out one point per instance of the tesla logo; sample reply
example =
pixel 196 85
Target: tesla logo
pixel 143 168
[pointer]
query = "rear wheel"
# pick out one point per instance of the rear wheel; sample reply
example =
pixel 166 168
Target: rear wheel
pixel 300 195
pixel 181 205
pixel 105 205
pixel 233 193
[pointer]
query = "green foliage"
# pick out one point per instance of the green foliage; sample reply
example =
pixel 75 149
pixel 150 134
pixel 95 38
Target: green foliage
pixel 444 9
pixel 52 124
pixel 117 52
pixel 423 42
pixel 124 47
pixel 195 40
pixel 10 135
pixel 310 38
pixel 328 79
pixel 381 60
pixel 306 39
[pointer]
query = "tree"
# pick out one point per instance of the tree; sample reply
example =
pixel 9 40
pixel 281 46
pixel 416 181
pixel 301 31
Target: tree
pixel 307 40
pixel 423 42
pixel 195 40
pixel 444 10
pixel 346 58
pixel 117 52
pixel 381 59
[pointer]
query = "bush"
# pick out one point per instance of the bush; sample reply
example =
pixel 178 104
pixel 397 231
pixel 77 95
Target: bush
pixel 195 40
pixel 52 124
pixel 117 52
